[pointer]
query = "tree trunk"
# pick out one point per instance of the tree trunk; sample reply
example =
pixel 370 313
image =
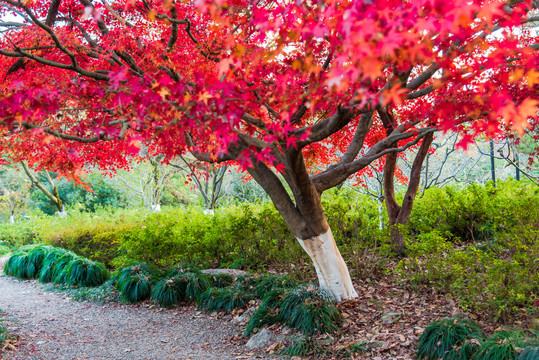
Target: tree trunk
pixel 399 215
pixel 332 272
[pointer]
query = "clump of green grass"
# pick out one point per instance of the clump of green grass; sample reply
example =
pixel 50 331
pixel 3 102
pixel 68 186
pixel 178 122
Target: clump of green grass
pixel 26 262
pixel 136 288
pixel 167 292
pixel 50 263
pixel 448 339
pixel 59 271
pixel 221 280
pixel 266 283
pixel 303 347
pixel 192 285
pixel 529 353
pixel 84 272
pixel 267 311
pixel 501 345
pixel 227 299
pixel 135 282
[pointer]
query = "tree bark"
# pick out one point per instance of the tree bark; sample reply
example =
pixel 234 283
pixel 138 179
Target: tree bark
pixel 332 272
pixel 399 215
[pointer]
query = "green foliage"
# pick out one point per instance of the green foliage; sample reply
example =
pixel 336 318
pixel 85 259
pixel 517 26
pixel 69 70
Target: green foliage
pixel 135 282
pixel 167 292
pixel 54 264
pixel 440 338
pixel 267 312
pixel 99 294
pixel 4 248
pixel 529 353
pixel 193 285
pixel 228 298
pixel 266 283
pixel 3 330
pixel 501 346
pixel 221 280
pixel 310 310
pixel 136 288
pixel 26 262
pixel 303 347
pixel 100 193
pixel 84 272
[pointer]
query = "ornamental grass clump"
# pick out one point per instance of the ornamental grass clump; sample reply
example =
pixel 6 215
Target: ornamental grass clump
pixel 228 299
pixel 267 312
pixel 136 288
pixel 501 345
pixel 311 310
pixel 529 353
pixel 59 271
pixel 268 282
pixel 27 261
pixel 221 280
pixel 84 272
pixel 47 273
pixel 192 285
pixel 448 339
pixel 167 292
pixel 135 282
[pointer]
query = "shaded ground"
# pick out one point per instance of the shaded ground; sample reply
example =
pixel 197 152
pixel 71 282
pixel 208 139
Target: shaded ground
pixel 51 326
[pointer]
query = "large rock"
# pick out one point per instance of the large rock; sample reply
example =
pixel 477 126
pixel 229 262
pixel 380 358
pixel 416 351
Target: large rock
pixel 231 272
pixel 245 316
pixel 264 338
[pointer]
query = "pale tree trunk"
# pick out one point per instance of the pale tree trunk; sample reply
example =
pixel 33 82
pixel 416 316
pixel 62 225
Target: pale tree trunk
pixel 332 272
pixel 12 218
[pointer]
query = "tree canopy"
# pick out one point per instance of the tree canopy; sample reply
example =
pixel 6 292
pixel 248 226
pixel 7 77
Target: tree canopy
pixel 313 90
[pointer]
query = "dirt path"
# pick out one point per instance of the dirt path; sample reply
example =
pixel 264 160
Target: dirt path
pixel 53 327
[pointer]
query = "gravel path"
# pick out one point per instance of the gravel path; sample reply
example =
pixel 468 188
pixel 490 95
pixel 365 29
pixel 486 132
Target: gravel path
pixel 51 326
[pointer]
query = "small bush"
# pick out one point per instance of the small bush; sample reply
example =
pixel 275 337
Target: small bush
pixel 193 285
pixel 84 272
pixel 48 273
pixel 26 262
pixel 221 280
pixel 228 299
pixel 310 310
pixel 443 336
pixel 530 353
pixel 267 312
pixel 501 346
pixel 136 288
pixel 267 283
pixel 167 292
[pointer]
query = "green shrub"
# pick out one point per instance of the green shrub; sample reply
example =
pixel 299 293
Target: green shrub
pixel 167 292
pixel 529 353
pixel 48 272
pixel 447 338
pixel 310 310
pixel 136 288
pixel 84 272
pixel 26 262
pixel 266 283
pixel 228 299
pixel 221 280
pixel 4 248
pixel 501 346
pixel 267 312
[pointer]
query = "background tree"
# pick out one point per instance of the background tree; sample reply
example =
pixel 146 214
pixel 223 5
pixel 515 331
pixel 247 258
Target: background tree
pixel 277 87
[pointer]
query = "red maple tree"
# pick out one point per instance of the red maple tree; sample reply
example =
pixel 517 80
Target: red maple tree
pixel 311 90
